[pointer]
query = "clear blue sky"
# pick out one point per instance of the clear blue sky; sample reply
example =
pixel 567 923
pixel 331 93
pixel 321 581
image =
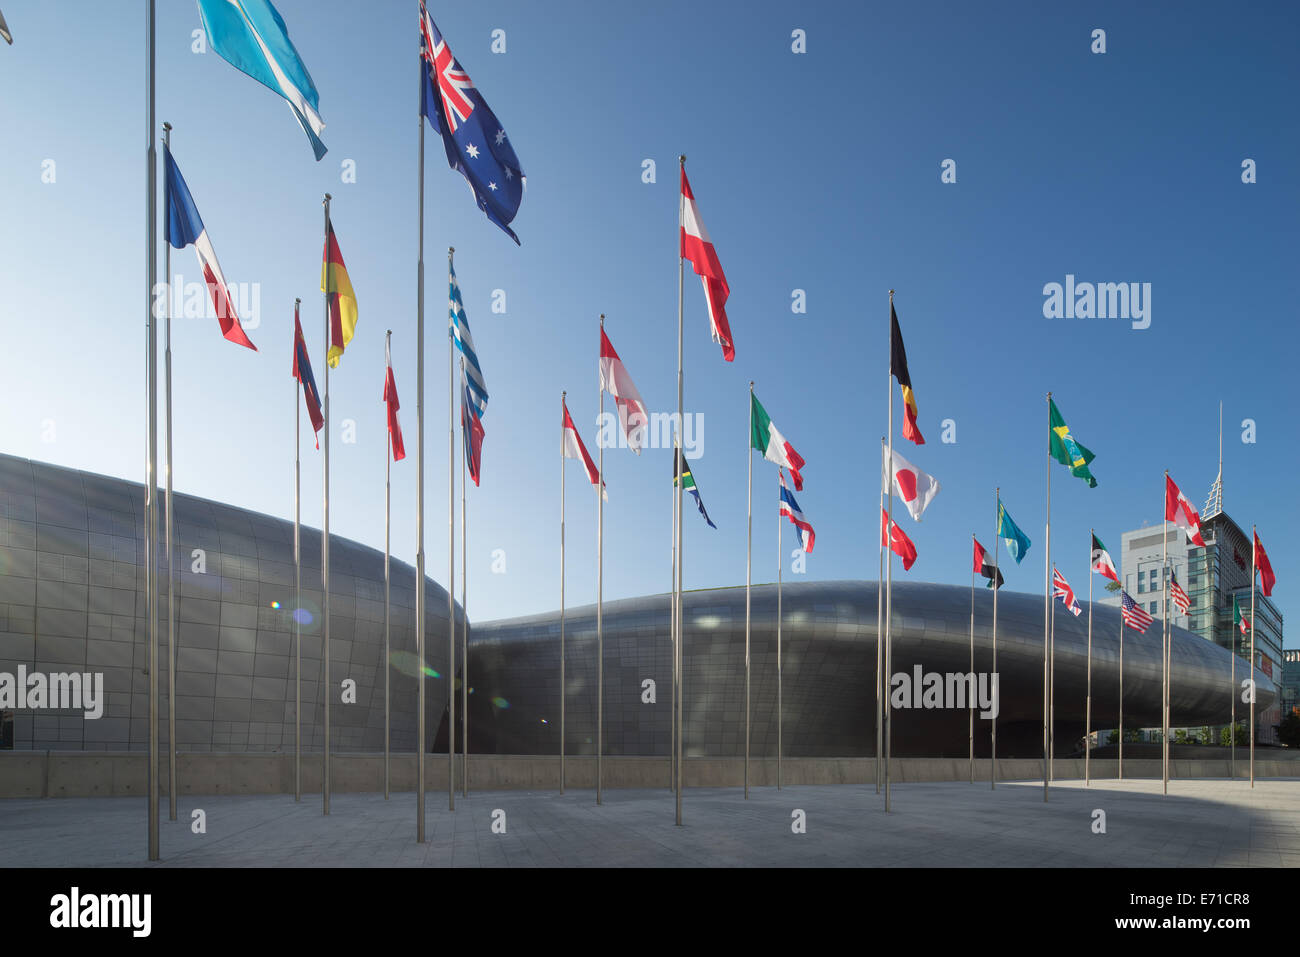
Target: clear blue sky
pixel 818 171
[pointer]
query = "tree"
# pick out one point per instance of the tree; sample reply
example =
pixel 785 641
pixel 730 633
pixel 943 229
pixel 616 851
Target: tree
pixel 1112 587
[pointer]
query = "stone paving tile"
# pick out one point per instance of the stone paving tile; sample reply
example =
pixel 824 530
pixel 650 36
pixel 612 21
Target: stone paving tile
pixel 1199 823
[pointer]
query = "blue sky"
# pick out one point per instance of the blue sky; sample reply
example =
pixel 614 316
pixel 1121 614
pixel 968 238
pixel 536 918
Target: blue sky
pixel 817 171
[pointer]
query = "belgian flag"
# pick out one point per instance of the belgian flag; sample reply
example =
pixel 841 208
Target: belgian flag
pixel 898 369
pixel 334 282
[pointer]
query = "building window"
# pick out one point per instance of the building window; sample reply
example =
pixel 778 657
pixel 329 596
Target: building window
pixel 1152 608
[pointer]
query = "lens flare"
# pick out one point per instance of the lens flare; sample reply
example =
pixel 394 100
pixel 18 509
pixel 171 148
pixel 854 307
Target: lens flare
pixel 501 703
pixel 275 605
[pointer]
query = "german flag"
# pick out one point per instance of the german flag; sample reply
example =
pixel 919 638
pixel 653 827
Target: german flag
pixel 898 369
pixel 342 302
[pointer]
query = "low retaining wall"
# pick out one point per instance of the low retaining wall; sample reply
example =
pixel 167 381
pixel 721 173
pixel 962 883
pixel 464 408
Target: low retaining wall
pixel 32 774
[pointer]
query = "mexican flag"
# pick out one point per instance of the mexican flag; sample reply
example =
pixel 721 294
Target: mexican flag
pixel 765 437
pixel 1238 618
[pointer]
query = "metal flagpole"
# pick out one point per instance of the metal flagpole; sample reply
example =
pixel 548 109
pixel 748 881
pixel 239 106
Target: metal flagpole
pixel 880 631
pixel 326 693
pixel 464 610
pixel 1251 672
pixel 993 731
pixel 672 626
pixel 563 441
pixel 388 521
pixel 681 636
pixel 600 584
pixel 1164 627
pixel 1047 610
pixel 749 549
pixel 1232 707
pixel 888 538
pixel 420 595
pixel 151 448
pixel 1051 695
pixel 780 560
pixel 297 576
pixel 451 562
pixel 1087 720
pixel 171 523
pixel 1121 693
pixel 971 710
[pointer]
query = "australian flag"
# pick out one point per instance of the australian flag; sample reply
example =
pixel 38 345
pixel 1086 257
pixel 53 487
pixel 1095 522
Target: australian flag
pixel 475 141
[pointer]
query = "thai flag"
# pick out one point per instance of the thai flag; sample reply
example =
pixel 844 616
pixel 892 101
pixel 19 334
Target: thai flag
pixel 790 509
pixel 185 227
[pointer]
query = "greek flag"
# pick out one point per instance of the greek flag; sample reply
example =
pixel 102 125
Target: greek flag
pixel 458 329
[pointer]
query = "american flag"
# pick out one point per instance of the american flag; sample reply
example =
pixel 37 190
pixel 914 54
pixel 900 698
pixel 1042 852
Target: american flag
pixel 1180 596
pixel 1134 616
pixel 1062 590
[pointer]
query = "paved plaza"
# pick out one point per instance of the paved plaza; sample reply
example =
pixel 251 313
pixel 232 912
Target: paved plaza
pixel 1201 823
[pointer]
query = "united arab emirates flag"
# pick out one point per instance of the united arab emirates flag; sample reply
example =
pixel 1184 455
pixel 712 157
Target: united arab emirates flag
pixel 1238 618
pixel 1063 447
pixel 984 566
pixel 765 437
pixel 1101 562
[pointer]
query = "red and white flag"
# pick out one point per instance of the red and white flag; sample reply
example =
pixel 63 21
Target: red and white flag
pixel 1265 567
pixel 698 248
pixel 574 449
pixel 390 399
pixel 897 541
pixel 914 487
pixel 632 415
pixel 1181 512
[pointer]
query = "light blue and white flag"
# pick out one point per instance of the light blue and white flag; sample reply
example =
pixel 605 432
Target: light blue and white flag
pixel 251 36
pixel 458 329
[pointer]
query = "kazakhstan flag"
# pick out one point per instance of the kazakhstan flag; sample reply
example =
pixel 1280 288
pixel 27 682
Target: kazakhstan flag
pixel 1017 541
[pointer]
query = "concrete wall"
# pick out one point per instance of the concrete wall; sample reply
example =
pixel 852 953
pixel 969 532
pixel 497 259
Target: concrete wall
pixel 33 774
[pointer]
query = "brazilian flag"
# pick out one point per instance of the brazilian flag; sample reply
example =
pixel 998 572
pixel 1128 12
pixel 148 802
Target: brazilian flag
pixel 1062 446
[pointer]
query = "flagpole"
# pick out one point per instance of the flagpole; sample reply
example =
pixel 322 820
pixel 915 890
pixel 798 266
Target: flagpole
pixel 780 560
pixel 297 573
pixel 451 562
pixel 1121 691
pixel 681 636
pixel 880 635
pixel 1251 672
pixel 151 448
pixel 997 547
pixel 1047 608
pixel 420 596
pixel 1087 724
pixel 600 585
pixel 1232 706
pixel 672 626
pixel 326 693
pixel 749 549
pixel 971 710
pixel 171 523
pixel 889 556
pixel 464 609
pixel 1164 627
pixel 1051 695
pixel 563 410
pixel 388 521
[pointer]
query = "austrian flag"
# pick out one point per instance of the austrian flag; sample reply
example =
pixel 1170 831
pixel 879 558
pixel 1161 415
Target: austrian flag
pixel 698 248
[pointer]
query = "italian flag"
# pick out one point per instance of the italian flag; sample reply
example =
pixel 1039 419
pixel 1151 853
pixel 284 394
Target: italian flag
pixel 764 436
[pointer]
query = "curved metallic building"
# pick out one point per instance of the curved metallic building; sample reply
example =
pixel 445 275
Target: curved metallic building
pixel 72 598
pixel 828 675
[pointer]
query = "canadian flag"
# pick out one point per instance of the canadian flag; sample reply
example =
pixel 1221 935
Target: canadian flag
pixel 914 487
pixel 698 248
pixel 1180 511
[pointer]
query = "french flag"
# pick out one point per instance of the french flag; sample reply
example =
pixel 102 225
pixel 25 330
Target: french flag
pixel 185 227
pixel 790 509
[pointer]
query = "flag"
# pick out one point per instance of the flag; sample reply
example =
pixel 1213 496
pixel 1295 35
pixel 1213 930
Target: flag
pixel 1101 561
pixel 4 31
pixel 471 427
pixel 1133 615
pixel 983 565
pixel 698 248
pixel 184 227
pixel 632 415
pixel 898 541
pixel 390 399
pixel 1062 446
pixel 914 487
pixel 342 301
pixel 1061 589
pixel 1266 576
pixel 898 369
pixel 302 372
pixel 1179 596
pixel 1017 541
pixel 1238 618
pixel 1181 512
pixel 458 329
pixel 790 509
pixel 574 449
pixel 688 484
pixel 765 437
pixel 475 142
pixel 251 37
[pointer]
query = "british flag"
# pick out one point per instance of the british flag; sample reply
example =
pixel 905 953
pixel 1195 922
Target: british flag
pixel 475 142
pixel 1061 589
pixel 1134 616
pixel 1179 596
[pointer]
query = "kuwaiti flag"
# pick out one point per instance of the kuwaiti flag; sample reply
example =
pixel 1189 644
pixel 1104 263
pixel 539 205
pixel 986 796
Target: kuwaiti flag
pixel 632 415
pixel 897 541
pixel 765 437
pixel 1061 589
pixel 251 37
pixel 302 372
pixel 458 329
pixel 390 400
pixel 698 248
pixel 1182 513
pixel 1265 567
pixel 185 226
pixel 1101 560
pixel 574 449
pixel 790 509
pixel 914 487
pixel 984 566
